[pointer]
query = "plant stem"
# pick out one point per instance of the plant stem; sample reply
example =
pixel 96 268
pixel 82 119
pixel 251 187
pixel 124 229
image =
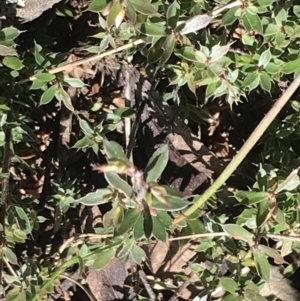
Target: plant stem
pixel 252 140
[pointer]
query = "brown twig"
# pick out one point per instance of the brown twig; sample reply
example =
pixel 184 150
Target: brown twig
pixel 86 60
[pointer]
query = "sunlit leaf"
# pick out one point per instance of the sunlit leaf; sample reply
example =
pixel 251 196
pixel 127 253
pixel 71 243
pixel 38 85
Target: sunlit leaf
pixel 265 58
pixel 115 151
pixel 194 24
pixel 95 198
pixel 262 264
pixel 138 254
pixel 7 51
pixel 143 7
pixel 74 82
pixel 229 284
pixel 64 97
pixel 151 30
pixel 159 230
pixel 173 14
pixel 104 258
pixel 157 164
pixel 9 33
pixel 117 182
pixel 98 5
pixel 113 13
pixel 174 204
pixel 130 219
pixel 49 94
pixel 290 183
pixel 238 232
pixel 13 63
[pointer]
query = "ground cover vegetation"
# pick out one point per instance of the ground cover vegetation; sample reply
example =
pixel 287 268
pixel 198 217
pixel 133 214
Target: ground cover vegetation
pixel 116 116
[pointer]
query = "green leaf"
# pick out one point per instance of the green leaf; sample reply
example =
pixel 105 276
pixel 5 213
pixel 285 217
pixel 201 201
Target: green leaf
pixel 157 164
pixel 265 2
pixel 10 255
pixel 19 235
pixel 238 232
pixel 13 63
pixel 291 66
pixel 290 183
pixel 63 96
pixel 85 127
pixel 251 197
pixel 262 213
pixel 6 51
pixel 278 259
pixel 138 230
pixel 265 81
pixel 9 34
pixel 23 219
pixel 148 221
pixel 173 14
pixel 254 21
pixel 175 204
pixel 280 15
pixel 296 10
pixel 200 56
pixel 271 30
pixel 137 254
pixel 230 16
pixel 218 52
pixel 262 264
pixel 74 82
pixel 127 246
pixel 37 85
pixel 165 218
pixel 130 11
pixel 272 68
pixel 229 285
pixel 82 143
pixel 265 58
pixel 113 13
pixel 39 58
pixel 143 7
pixel 159 230
pixel 48 95
pixel 117 182
pixel 118 216
pixel 104 258
pixel 152 30
pixel 130 219
pixel 187 53
pixel 168 47
pixel 45 77
pixel 115 151
pixel 251 80
pixel 100 196
pixel 194 24
pixel 156 51
pixel 98 5
pixel 295 105
pixel 13 294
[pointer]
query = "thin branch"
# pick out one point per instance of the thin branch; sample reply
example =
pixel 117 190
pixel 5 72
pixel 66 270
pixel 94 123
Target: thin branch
pixel 87 292
pixel 87 60
pixel 219 234
pixel 90 236
pixel 202 235
pixel 147 286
